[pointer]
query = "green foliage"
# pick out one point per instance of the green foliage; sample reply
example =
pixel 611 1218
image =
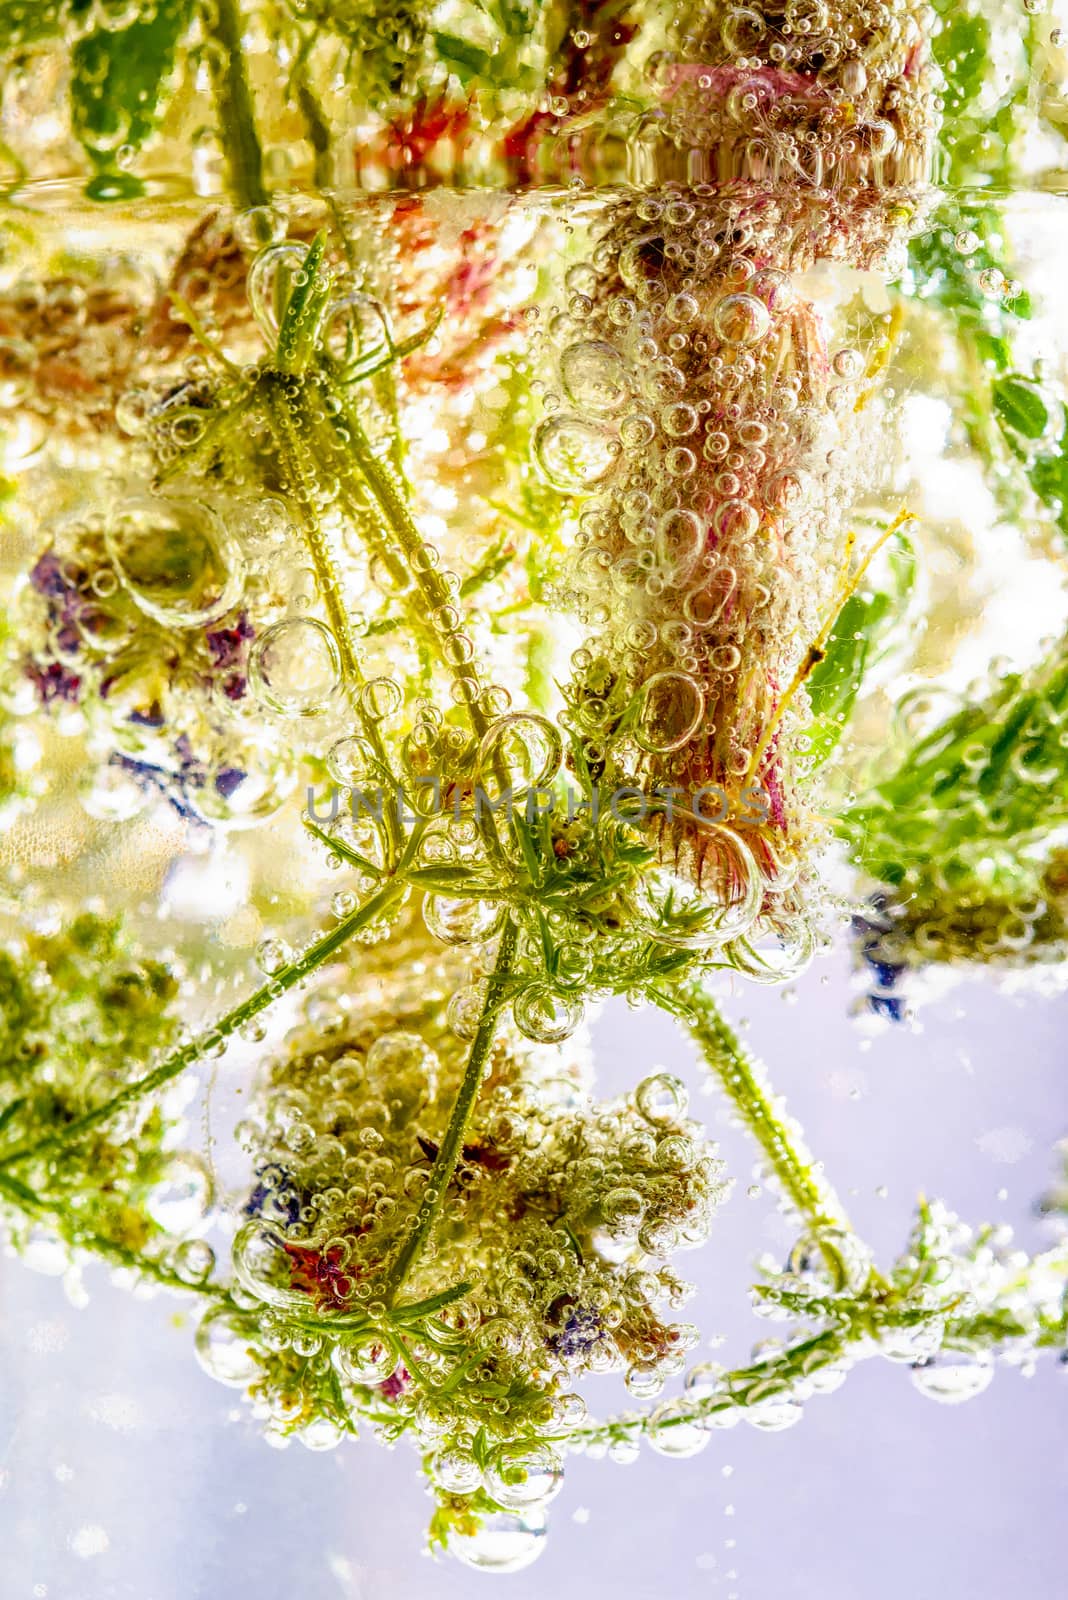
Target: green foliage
pixel 120 76
pixel 1018 431
pixel 119 87
pixel 78 1014
pixel 986 95
pixel 972 799
pixel 25 24
pixel 855 646
pixel 386 41
pixel 1020 408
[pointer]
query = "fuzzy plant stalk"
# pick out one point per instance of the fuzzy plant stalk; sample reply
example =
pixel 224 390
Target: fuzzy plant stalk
pixel 718 434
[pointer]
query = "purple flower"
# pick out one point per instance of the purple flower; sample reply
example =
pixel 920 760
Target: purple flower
pixel 275 1185
pixel 871 926
pixel 54 682
pixel 190 766
pixel 227 644
pixel 397 1384
pixel 157 780
pixel 47 576
pixel 152 718
pixel 580 1330
pixel 229 779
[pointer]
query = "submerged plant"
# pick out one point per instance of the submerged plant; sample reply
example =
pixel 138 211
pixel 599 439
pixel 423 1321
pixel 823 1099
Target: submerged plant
pixel 546 544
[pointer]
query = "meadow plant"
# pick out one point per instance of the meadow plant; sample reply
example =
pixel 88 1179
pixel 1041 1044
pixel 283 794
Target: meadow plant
pixel 495 422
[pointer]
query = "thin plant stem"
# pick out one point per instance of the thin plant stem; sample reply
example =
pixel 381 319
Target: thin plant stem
pixel 445 1162
pixel 319 135
pixel 99 1245
pixel 743 1081
pixel 369 523
pixel 233 101
pixel 737 1389
pixel 382 484
pixel 291 449
pixel 186 1055
pixel 291 453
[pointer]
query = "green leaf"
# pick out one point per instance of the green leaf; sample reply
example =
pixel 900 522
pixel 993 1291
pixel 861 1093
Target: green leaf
pixel 459 882
pixel 1049 479
pixel 25 23
pixel 516 18
pixel 119 86
pixel 305 309
pixel 11 1111
pixel 962 50
pixel 940 801
pixel 1020 407
pixel 537 680
pixel 466 60
pixel 833 685
pixel 496 560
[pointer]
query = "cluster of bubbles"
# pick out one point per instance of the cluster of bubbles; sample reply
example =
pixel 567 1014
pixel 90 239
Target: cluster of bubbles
pixel 963 1278
pixel 713 430
pixel 145 621
pixel 97 353
pixel 839 95
pixel 69 346
pixel 959 1303
pixel 561 1220
pixel 698 406
pixel 188 623
pixel 181 622
pixel 391 34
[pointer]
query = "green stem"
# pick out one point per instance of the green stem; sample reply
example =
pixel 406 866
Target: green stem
pixel 445 1162
pixel 368 522
pixel 318 127
pixel 382 483
pixel 291 451
pixel 742 1080
pixel 233 102
pixel 177 1062
pixel 737 1389
pixel 98 1244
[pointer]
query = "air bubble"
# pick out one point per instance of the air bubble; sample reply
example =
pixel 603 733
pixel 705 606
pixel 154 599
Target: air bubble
pixel 545 1016
pixel 594 377
pixel 176 560
pixel 672 707
pixel 741 319
pixel 295 667
pixel 662 1099
pixel 503 1541
pixel 954 1376
pixel 573 454
pixel 674 1432
pixel 223 1349
pixel 367 1360
pixel 272 278
pixel 525 1476
pixel 460 922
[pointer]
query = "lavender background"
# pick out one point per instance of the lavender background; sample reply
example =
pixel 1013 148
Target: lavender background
pixel 111 1435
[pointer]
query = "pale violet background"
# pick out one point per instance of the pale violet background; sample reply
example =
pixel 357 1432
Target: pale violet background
pixel 126 1474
